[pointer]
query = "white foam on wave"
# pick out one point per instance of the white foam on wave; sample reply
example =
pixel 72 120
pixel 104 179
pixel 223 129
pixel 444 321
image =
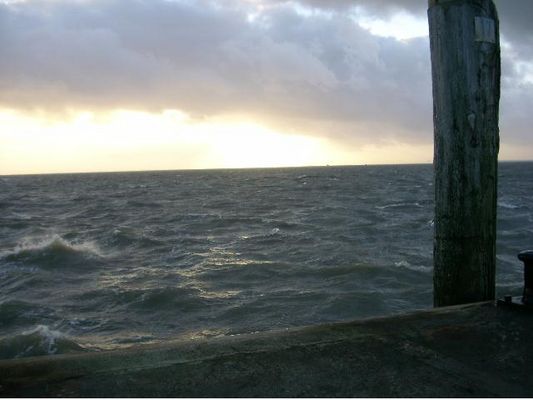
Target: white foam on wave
pixel 396 205
pixel 56 243
pixel 48 338
pixel 507 205
pixel 408 265
pixel 402 263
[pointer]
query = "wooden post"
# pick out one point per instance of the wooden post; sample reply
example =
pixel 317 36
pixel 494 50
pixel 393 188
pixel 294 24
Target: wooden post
pixel 465 58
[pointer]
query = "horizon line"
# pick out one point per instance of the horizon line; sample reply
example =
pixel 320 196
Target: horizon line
pixel 233 168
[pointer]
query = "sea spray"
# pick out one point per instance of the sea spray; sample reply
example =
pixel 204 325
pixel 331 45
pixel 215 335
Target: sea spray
pixel 54 252
pixel 38 341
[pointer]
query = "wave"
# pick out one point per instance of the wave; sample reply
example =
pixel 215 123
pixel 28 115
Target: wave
pixel 38 341
pixel 509 206
pixel 148 300
pixel 54 252
pixel 123 237
pixel 399 205
pixel 16 312
pixel 269 237
pixel 170 299
pixel 133 339
pixel 22 216
pixel 417 268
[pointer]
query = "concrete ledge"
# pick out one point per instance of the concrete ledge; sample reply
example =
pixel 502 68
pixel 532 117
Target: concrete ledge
pixel 467 351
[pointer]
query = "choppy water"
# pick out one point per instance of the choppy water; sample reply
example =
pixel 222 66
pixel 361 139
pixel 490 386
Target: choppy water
pixel 96 261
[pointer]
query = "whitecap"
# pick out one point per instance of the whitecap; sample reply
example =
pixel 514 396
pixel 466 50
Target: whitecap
pixel 402 263
pixel 55 252
pixel 507 205
pixel 56 243
pixel 47 336
pixel 39 341
pixel 409 266
pixel 398 205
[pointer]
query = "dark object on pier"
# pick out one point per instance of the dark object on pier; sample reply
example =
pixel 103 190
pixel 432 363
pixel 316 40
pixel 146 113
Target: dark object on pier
pixel 527 258
pixel 526 301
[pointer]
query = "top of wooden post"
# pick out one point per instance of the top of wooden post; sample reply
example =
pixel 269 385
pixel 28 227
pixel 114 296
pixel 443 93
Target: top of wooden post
pixel 432 3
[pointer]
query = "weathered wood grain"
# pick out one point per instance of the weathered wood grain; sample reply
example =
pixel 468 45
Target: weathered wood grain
pixel 465 57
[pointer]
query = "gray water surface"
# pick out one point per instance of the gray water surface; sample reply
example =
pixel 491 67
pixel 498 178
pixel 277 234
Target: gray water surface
pixel 97 261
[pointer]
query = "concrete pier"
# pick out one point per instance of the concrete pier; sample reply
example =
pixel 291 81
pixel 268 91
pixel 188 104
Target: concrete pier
pixel 462 351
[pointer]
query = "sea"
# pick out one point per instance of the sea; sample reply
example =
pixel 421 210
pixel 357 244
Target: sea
pixel 90 262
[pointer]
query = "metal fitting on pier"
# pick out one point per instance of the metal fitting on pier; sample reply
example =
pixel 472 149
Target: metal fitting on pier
pixel 527 258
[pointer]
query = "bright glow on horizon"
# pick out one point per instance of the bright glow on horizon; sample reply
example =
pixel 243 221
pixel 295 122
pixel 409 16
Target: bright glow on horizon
pixel 125 140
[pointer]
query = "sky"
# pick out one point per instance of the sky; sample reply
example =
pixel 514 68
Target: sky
pixel 116 85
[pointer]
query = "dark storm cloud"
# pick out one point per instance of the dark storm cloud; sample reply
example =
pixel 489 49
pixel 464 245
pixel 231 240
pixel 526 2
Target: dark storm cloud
pixel 515 15
pixel 515 23
pixel 320 72
pixel 381 7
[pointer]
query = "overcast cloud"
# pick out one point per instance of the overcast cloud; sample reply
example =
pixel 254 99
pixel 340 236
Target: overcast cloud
pixel 317 72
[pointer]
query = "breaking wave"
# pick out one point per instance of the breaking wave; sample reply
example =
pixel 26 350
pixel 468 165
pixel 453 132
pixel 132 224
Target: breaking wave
pixel 39 341
pixel 54 252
